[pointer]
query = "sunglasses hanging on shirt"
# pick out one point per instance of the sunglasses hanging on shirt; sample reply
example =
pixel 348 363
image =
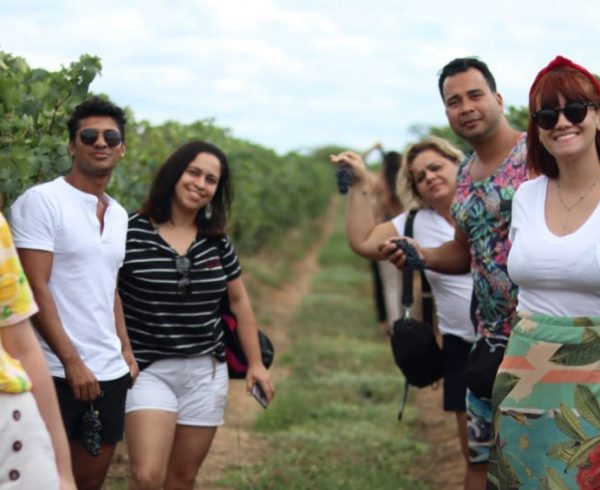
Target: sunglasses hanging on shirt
pixel 183 265
pixel 575 112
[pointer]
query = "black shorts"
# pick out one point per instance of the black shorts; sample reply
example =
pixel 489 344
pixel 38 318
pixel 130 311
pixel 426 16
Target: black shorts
pixel 454 358
pixel 110 405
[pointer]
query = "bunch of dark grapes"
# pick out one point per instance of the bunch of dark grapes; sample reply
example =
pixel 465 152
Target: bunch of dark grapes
pixel 90 433
pixel 344 178
pixel 413 261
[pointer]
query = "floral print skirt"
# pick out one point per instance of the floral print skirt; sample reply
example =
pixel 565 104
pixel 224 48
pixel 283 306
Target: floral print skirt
pixel 546 406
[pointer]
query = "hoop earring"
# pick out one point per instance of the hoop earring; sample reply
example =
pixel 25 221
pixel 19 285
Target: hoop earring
pixel 208 211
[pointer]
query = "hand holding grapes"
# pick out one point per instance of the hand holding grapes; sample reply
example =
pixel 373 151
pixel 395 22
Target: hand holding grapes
pixel 403 252
pixel 412 260
pixel 351 171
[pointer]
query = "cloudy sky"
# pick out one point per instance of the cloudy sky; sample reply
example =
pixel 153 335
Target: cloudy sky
pixel 296 74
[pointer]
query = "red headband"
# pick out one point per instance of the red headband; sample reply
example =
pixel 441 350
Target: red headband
pixel 559 62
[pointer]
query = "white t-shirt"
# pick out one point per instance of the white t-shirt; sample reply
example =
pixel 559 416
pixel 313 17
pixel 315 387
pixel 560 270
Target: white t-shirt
pixel 556 275
pixel 58 218
pixel 452 293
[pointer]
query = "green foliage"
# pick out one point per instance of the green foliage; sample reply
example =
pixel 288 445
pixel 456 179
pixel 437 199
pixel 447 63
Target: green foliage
pixel 273 192
pixel 339 252
pixel 518 117
pixel 420 131
pixel 34 107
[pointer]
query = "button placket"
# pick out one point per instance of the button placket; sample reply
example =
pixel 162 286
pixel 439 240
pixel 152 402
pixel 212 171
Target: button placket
pixel 14 474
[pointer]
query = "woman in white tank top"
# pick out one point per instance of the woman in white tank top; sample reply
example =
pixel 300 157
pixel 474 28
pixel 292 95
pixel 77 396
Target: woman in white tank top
pixel 547 391
pixel 427 181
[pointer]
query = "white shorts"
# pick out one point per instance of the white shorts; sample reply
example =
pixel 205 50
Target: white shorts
pixel 26 454
pixel 195 388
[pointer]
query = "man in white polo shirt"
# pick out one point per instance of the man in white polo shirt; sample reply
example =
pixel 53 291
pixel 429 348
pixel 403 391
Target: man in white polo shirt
pixel 70 236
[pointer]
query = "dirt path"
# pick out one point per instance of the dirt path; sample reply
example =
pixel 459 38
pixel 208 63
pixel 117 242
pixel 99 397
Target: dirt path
pixel 235 442
pixel 443 468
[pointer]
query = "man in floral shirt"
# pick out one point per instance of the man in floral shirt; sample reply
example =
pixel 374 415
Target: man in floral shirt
pixel 486 182
pixel 30 452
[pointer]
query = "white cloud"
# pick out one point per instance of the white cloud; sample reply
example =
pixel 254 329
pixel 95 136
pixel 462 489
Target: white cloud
pixel 297 73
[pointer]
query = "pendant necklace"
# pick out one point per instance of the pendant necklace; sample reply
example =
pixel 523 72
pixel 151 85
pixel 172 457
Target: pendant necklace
pixel 568 209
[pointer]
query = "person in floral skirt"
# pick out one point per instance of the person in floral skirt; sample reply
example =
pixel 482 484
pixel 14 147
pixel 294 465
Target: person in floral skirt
pixel 546 396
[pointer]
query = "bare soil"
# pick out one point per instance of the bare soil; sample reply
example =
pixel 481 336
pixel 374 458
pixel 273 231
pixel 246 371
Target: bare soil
pixel 443 467
pixel 235 442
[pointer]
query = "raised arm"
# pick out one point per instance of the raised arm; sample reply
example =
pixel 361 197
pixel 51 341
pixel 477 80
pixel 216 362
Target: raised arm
pixel 37 265
pixel 363 234
pixel 375 146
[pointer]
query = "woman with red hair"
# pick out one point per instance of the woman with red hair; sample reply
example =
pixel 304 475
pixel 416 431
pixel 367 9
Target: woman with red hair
pixel 546 396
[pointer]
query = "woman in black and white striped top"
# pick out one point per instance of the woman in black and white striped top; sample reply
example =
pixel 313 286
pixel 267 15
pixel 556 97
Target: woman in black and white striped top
pixel 168 315
pixel 178 267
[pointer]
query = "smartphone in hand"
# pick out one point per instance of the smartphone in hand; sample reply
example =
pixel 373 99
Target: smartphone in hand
pixel 258 393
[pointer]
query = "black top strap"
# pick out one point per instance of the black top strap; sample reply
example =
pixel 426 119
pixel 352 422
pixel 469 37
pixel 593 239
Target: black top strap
pixel 407 273
pixel 407 278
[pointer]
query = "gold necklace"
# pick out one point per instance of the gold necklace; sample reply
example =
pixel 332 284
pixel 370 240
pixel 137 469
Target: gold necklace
pixel 568 209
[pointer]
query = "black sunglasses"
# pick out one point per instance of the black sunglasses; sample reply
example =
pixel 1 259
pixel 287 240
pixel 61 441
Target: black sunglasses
pixel 575 112
pixel 183 265
pixel 89 136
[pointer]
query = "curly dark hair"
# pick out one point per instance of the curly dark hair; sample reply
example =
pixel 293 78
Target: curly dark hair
pixel 96 106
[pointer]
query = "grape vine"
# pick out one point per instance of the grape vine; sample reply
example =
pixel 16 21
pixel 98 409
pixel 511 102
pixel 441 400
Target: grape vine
pixel 273 192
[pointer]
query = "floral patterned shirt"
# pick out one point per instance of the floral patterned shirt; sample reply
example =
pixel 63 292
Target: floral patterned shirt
pixel 16 304
pixel 482 209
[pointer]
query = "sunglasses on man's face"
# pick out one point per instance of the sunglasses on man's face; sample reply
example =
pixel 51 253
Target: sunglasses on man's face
pixel 89 136
pixel 183 265
pixel 575 112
